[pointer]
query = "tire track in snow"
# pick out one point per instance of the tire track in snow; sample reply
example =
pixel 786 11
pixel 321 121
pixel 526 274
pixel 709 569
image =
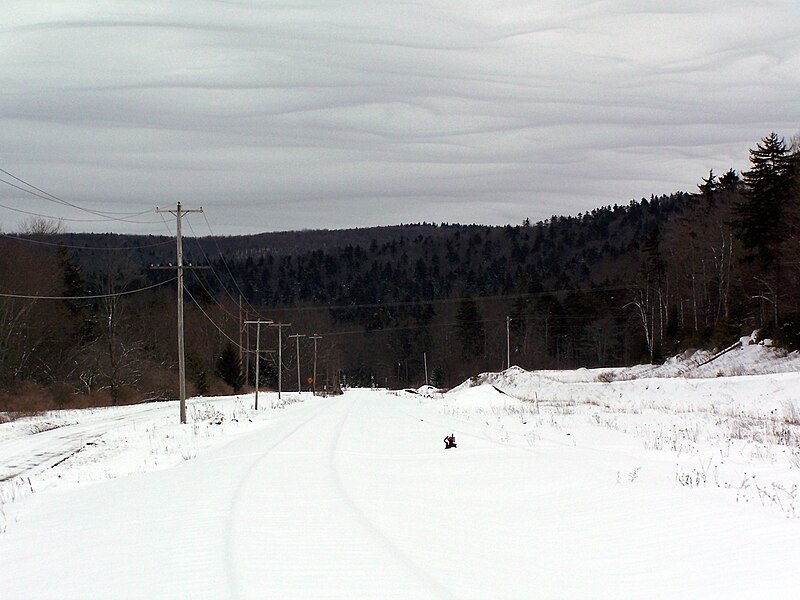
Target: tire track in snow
pixel 414 572
pixel 233 584
pixel 420 574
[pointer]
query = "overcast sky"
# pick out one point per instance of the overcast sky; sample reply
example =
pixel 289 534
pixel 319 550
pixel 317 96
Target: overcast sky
pixel 313 114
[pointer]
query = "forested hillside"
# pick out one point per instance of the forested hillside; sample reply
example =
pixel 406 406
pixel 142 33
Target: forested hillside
pixel 617 285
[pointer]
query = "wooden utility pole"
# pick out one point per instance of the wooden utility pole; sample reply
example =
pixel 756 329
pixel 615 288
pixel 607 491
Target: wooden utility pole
pixel 247 354
pixel 280 327
pixel 508 342
pixel 258 349
pixel 297 337
pixel 425 359
pixel 241 329
pixel 315 337
pixel 179 212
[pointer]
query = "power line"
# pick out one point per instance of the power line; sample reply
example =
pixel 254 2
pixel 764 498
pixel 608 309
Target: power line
pixel 371 331
pixel 44 216
pixel 211 267
pixel 205 289
pixel 214 271
pixel 210 320
pixel 163 220
pixel 224 262
pixel 90 297
pixel 27 191
pixel 390 304
pixel 219 279
pixel 44 195
pixel 425 302
pixel 103 220
pixel 47 194
pixel 213 297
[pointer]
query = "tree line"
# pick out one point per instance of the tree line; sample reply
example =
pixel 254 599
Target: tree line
pixel 614 286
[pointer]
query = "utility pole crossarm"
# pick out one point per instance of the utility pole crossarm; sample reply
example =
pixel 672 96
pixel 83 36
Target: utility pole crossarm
pixel 180 211
pixel 186 266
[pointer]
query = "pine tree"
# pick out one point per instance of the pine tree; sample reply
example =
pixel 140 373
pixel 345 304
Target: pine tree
pixel 768 184
pixel 75 285
pixel 709 186
pixel 762 220
pixel 229 368
pixel 730 181
pixel 198 374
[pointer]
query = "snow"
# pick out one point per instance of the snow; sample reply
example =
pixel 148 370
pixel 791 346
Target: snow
pixel 575 484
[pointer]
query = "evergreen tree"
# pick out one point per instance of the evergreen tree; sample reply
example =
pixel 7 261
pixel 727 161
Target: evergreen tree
pixel 653 260
pixel 763 220
pixel 229 368
pixel 709 186
pixel 730 181
pixel 75 285
pixel 768 190
pixel 198 374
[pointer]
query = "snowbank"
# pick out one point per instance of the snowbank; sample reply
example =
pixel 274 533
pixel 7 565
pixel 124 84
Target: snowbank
pixel 752 379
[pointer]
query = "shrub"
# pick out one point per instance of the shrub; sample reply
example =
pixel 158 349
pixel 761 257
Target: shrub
pixel 25 398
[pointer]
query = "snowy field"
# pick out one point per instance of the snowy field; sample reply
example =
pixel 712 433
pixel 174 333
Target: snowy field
pixel 564 485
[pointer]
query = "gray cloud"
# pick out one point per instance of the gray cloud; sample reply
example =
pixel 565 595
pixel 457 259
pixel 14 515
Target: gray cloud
pixel 330 114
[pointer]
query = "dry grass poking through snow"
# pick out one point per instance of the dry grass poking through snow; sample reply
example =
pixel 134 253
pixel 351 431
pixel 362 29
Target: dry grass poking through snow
pixel 740 435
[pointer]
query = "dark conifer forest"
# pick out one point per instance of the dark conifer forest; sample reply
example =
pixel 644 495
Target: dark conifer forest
pixel 619 285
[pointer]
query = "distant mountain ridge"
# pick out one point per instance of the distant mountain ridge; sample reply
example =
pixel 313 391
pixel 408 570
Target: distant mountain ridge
pixel 446 259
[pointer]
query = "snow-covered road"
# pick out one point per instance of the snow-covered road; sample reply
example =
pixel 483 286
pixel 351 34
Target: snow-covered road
pixel 354 497
pixel 24 456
